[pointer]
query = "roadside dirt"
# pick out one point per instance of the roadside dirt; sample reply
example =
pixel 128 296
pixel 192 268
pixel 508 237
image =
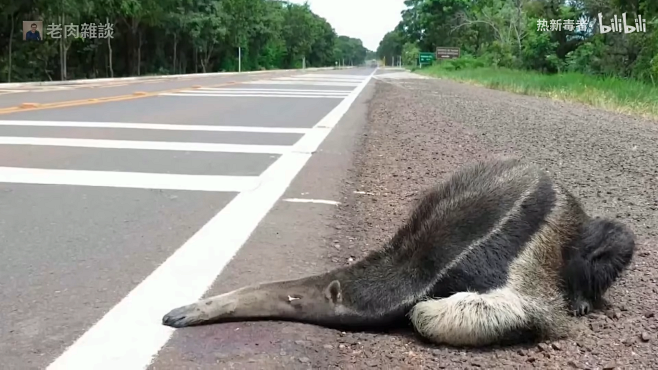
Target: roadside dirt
pixel 421 130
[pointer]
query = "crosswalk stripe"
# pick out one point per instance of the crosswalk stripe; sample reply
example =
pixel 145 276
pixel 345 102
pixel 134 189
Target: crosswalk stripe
pixel 157 126
pixel 264 93
pixel 308 79
pixel 147 145
pixel 346 77
pixel 272 82
pixel 257 95
pixel 275 90
pixel 128 179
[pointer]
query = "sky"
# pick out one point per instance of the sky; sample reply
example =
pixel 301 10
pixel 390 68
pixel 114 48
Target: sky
pixel 368 20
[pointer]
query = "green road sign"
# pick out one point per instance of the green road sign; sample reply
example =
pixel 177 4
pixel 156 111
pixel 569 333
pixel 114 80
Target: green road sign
pixel 425 58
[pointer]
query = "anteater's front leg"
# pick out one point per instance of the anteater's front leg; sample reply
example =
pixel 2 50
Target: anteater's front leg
pixel 316 300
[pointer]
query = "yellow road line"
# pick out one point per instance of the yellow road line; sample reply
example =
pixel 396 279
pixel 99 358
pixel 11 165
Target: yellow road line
pixel 29 107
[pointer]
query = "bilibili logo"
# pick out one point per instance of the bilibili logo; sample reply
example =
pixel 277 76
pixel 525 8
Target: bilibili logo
pixel 622 25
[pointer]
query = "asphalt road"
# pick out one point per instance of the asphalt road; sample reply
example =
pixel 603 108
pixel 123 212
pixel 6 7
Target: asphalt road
pixel 113 213
pixel 49 94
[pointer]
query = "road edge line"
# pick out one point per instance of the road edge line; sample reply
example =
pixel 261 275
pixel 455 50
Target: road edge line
pixel 130 335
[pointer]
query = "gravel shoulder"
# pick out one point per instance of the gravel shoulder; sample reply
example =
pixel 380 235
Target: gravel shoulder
pixel 419 131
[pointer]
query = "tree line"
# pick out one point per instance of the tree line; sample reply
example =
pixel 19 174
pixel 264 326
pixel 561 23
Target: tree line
pixel 544 35
pixel 165 37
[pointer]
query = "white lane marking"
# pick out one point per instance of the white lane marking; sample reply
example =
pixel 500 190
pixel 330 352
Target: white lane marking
pixel 146 145
pixel 275 90
pixel 400 75
pixel 318 79
pixel 139 180
pixel 256 92
pixel 360 77
pixel 319 201
pixel 311 83
pixel 258 96
pixel 345 77
pixel 131 333
pixel 158 126
pixel 48 88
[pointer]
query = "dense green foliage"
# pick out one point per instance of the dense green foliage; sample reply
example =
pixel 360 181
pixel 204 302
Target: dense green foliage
pixel 349 51
pixel 506 33
pixel 167 37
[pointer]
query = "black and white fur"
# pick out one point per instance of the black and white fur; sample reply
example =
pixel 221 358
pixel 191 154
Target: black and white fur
pixel 496 251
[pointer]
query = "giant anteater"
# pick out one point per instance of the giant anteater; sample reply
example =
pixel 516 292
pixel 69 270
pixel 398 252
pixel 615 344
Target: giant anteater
pixel 496 250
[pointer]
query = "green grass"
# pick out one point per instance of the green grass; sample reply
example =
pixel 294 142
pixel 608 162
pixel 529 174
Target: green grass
pixel 615 94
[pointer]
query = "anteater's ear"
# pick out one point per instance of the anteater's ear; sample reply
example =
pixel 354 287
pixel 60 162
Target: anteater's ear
pixel 333 292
